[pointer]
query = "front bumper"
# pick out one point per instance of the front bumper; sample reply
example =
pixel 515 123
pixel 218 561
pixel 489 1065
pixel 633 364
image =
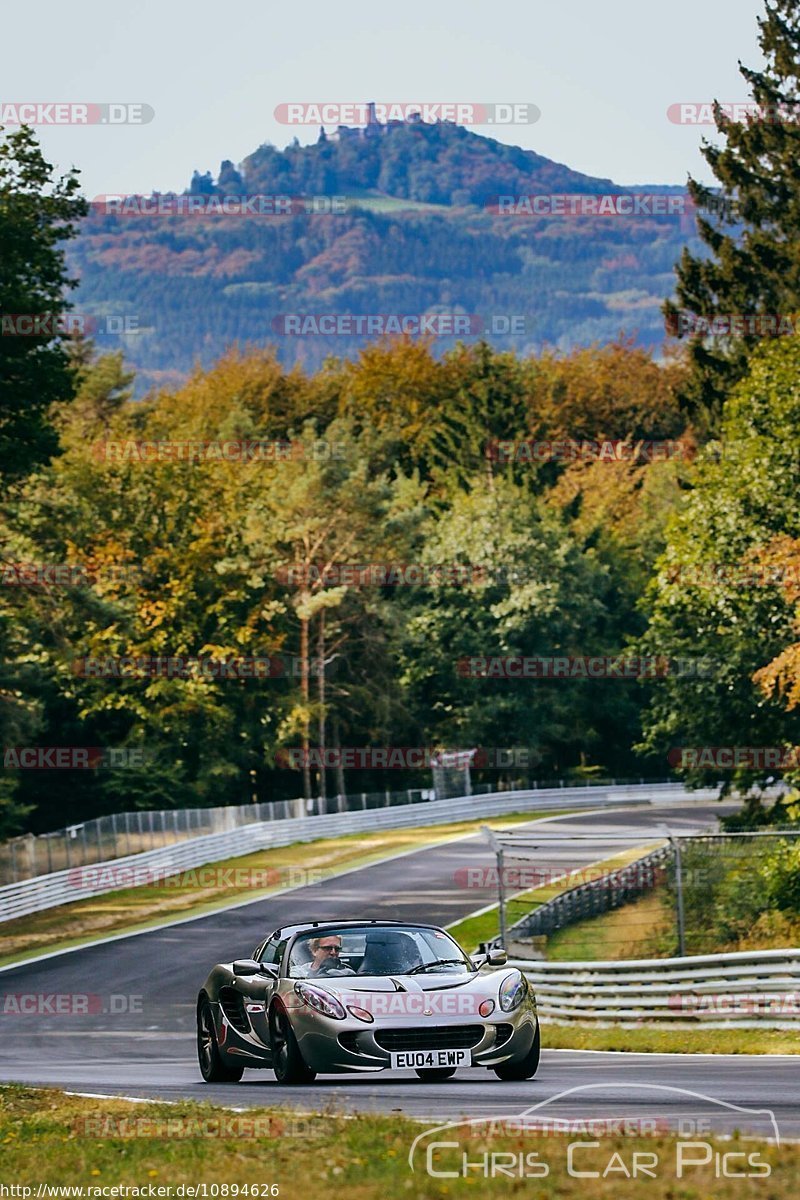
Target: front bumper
pixel 361 1048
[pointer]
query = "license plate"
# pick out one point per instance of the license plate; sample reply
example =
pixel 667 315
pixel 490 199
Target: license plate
pixel 415 1059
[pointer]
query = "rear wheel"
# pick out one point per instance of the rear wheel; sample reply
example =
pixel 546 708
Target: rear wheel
pixel 436 1074
pixel 287 1061
pixel 525 1069
pixel 212 1067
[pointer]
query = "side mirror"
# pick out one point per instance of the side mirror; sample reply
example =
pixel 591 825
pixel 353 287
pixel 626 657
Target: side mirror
pixel 246 966
pixel 496 958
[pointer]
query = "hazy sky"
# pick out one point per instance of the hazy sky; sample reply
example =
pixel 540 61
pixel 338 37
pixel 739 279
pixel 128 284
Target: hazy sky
pixel 603 75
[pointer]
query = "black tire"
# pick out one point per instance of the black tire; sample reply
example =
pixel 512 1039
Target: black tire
pixel 527 1068
pixel 435 1074
pixel 212 1067
pixel 287 1061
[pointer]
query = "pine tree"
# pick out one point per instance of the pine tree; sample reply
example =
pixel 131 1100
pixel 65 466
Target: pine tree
pixel 752 227
pixel 39 212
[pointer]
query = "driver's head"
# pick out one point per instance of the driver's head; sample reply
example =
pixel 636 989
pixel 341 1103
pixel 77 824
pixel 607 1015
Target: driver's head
pixel 324 949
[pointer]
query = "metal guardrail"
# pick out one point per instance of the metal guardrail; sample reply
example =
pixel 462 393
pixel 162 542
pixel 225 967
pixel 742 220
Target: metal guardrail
pixel 81 883
pixel 117 835
pixel 746 988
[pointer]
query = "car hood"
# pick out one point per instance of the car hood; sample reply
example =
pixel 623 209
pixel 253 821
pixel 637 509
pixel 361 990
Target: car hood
pixel 402 983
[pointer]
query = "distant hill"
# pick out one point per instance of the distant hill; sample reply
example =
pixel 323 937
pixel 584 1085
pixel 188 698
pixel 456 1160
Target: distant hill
pixel 418 234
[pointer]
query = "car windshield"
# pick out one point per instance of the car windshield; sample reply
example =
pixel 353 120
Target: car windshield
pixel 371 950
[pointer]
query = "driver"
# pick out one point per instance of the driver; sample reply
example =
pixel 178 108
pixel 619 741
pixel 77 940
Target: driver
pixel 326 951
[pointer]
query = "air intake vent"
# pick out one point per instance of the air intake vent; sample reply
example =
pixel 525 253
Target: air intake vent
pixel 232 1004
pixel 445 1037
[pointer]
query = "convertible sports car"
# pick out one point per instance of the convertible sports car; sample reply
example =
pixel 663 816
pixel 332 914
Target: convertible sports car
pixel 333 996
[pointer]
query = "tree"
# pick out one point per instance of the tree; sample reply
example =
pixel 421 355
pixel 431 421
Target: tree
pixel 715 594
pixel 752 266
pixel 531 590
pixel 37 214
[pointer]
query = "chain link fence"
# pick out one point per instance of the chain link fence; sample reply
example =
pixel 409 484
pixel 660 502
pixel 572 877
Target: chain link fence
pixel 120 834
pixel 696 894
pixel 89 842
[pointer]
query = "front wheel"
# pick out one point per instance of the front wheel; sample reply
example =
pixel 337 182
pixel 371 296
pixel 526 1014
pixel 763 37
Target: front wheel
pixel 525 1069
pixel 435 1074
pixel 287 1061
pixel 212 1067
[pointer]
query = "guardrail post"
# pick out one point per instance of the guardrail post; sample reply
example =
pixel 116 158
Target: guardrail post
pixel 679 895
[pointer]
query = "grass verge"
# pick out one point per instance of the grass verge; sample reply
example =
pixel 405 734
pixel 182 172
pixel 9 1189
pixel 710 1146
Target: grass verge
pixel 661 1039
pixel 219 884
pixel 645 928
pixel 47 1137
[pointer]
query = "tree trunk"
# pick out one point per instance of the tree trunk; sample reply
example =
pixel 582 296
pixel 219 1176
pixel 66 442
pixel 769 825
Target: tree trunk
pixel 304 693
pixel 321 698
pixel 340 784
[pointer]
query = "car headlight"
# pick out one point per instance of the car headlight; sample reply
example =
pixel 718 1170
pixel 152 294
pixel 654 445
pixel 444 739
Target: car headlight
pixel 321 1001
pixel 513 991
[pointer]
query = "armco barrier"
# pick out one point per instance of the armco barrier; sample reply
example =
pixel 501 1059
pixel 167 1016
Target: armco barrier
pixel 48 891
pixel 748 988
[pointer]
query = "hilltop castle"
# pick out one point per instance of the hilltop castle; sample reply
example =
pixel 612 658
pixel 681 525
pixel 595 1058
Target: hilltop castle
pixel 371 129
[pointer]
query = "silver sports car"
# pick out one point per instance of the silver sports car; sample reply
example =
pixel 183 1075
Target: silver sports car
pixel 333 996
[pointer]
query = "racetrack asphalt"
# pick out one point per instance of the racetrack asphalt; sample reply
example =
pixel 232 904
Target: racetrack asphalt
pixel 138 1037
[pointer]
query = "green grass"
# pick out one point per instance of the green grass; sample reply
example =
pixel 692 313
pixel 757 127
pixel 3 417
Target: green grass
pixel 645 928
pixel 49 1137
pixel 131 909
pixel 391 204
pixel 664 1039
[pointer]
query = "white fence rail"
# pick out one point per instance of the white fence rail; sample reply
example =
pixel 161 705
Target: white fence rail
pixel 81 883
pixel 748 988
